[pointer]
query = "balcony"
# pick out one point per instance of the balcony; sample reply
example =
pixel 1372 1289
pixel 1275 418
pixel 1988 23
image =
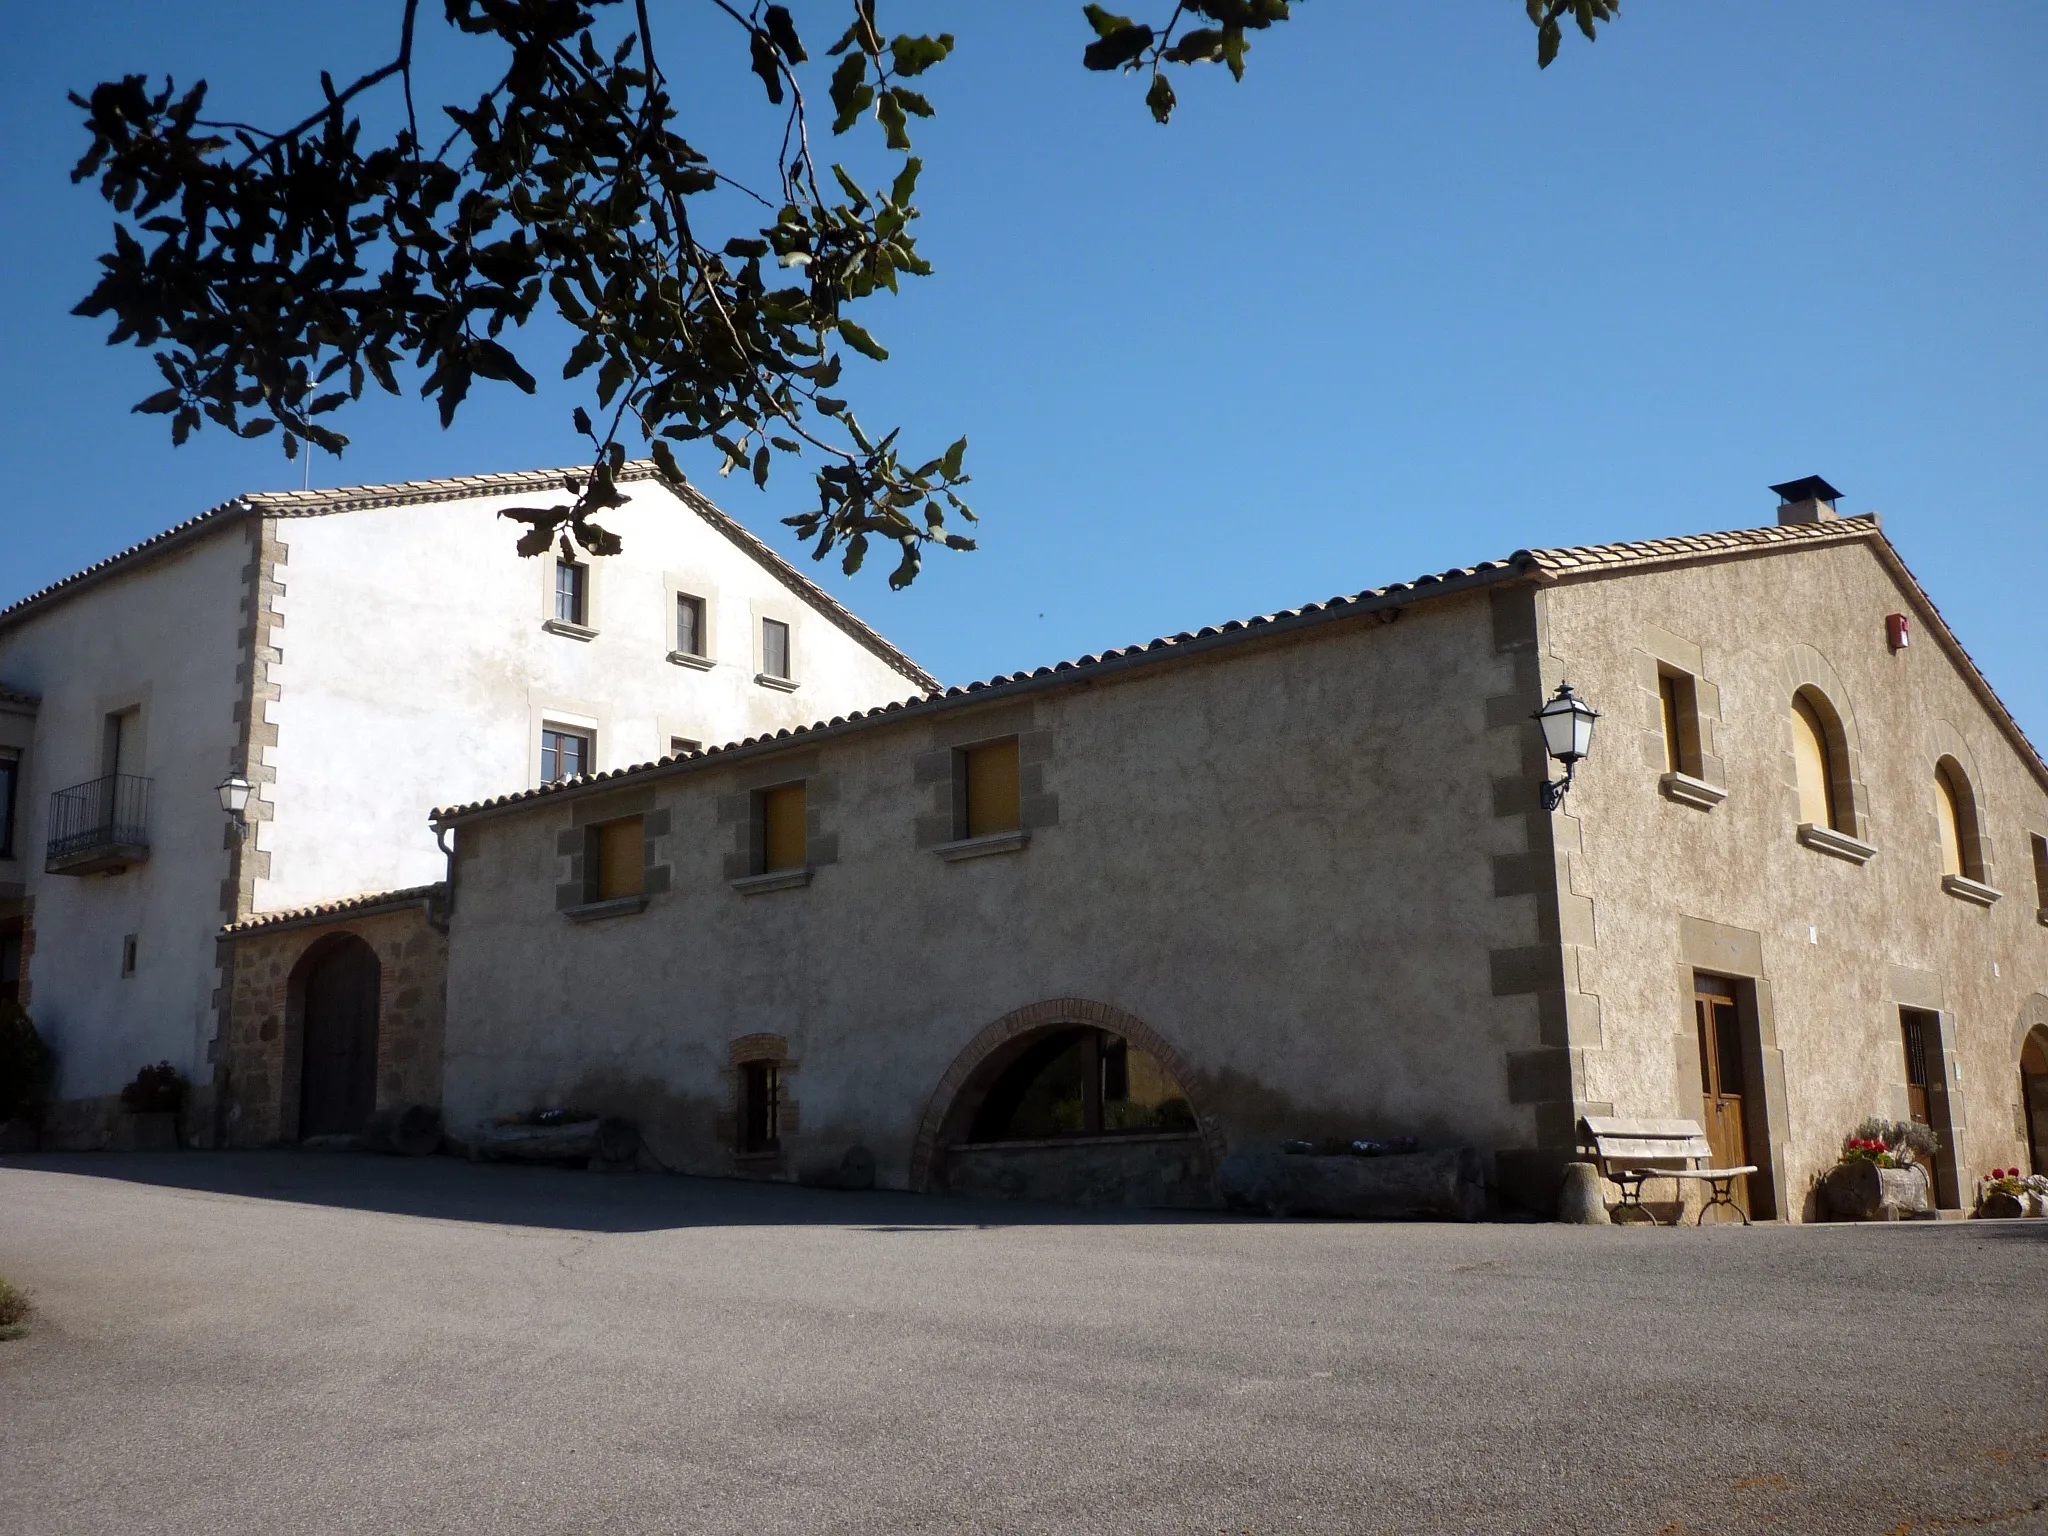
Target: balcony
pixel 99 827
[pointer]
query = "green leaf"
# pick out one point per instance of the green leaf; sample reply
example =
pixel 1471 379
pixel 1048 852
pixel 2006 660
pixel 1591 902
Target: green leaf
pixel 1104 23
pixel 783 31
pixel 1548 38
pixel 862 342
pixel 1160 99
pixel 850 95
pixel 889 112
pixel 955 456
pixel 586 352
pixel 766 65
pixel 762 459
pixel 906 182
pixel 581 418
pixel 914 55
pixel 1116 49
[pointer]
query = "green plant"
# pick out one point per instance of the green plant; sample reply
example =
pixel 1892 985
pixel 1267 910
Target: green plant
pixel 1891 1144
pixel 16 1308
pixel 27 1065
pixel 157 1090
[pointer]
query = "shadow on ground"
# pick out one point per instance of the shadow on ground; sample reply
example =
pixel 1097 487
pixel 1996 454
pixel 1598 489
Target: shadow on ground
pixel 498 1194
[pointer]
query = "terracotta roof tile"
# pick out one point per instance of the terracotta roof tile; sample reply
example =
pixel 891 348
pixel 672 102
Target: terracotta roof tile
pixel 344 906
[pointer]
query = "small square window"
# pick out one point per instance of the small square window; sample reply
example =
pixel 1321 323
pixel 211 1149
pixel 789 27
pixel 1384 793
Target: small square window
pixel 782 813
pixel 990 799
pixel 760 1107
pixel 572 591
pixel 563 754
pixel 615 859
pixel 775 648
pixel 128 954
pixel 679 745
pixel 690 637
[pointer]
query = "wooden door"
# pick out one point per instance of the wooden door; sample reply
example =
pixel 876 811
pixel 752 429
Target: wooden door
pixel 338 1086
pixel 1722 1078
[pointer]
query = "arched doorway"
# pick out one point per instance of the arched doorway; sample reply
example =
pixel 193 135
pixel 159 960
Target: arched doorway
pixel 338 1033
pixel 2034 1095
pixel 1069 1101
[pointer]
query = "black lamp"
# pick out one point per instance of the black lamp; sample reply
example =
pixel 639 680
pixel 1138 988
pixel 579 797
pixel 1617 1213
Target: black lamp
pixel 1567 722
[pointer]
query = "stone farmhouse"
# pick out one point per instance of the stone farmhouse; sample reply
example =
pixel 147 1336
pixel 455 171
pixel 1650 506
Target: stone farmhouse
pixel 1079 932
pixel 353 656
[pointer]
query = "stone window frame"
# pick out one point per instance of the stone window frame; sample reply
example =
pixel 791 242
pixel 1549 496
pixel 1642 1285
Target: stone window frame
pixel 1976 883
pixel 587 627
pixel 757 1050
pixel 739 809
pixel 547 711
pixel 1807 671
pixel 677 585
pixel 1701 780
pixel 941 827
pixel 788 614
pixel 574 886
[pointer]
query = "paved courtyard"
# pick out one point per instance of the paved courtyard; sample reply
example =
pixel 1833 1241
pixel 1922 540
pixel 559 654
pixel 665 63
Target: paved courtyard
pixel 284 1343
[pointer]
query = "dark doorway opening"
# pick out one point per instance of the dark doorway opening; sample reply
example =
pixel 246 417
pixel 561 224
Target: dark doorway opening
pixel 1081 1082
pixel 2034 1096
pixel 338 1077
pixel 1926 1098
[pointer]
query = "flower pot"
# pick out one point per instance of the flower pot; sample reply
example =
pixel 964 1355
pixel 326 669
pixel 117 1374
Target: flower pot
pixel 2002 1207
pixel 1862 1191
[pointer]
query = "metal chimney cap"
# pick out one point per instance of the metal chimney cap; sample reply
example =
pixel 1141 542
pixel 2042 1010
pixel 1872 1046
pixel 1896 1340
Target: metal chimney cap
pixel 1812 488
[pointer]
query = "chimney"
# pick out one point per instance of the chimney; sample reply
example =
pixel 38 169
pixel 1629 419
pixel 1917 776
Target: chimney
pixel 1811 500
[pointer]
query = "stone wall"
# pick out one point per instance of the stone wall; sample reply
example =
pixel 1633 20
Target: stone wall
pixel 266 1006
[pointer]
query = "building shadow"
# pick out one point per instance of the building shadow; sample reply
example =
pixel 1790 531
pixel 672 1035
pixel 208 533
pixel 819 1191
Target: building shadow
pixel 564 1199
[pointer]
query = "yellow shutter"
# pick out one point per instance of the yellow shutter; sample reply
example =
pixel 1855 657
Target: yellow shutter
pixel 783 834
pixel 1949 815
pixel 1810 749
pixel 993 800
pixel 621 859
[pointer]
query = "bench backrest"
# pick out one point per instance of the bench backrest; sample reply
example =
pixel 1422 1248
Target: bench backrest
pixel 1619 1142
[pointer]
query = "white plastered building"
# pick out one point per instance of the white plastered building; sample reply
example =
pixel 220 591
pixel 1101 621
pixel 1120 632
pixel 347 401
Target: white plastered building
pixel 360 655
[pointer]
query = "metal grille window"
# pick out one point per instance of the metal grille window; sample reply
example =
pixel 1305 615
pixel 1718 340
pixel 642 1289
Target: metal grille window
pixel 572 583
pixel 760 1107
pixel 774 648
pixel 563 755
pixel 690 625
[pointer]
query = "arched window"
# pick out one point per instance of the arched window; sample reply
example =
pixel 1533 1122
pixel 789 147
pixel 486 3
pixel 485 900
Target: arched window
pixel 1817 759
pixel 1081 1082
pixel 1955 811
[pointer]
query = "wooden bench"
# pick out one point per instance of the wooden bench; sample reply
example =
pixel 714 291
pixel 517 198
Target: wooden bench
pixel 1626 1150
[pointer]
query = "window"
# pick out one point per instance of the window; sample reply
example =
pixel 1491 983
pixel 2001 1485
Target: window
pixel 615 860
pixel 10 776
pixel 128 954
pixel 782 813
pixel 1081 1082
pixel 572 592
pixel 1955 812
pixel 1680 700
pixel 678 745
pixel 1814 757
pixel 121 743
pixel 2040 874
pixel 760 1103
pixel 989 798
pixel 775 648
pixel 563 754
pixel 690 637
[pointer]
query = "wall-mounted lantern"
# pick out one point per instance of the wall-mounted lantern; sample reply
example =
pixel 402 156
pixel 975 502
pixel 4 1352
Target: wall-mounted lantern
pixel 234 799
pixel 1567 722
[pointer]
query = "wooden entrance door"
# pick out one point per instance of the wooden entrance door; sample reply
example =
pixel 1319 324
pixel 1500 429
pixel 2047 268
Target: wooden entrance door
pixel 1722 1078
pixel 1923 1053
pixel 2034 1096
pixel 338 1087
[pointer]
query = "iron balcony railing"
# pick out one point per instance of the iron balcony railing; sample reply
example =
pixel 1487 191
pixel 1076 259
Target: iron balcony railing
pixel 107 813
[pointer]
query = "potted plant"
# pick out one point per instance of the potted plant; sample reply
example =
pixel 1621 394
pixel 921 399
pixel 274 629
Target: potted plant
pixel 26 1069
pixel 2009 1192
pixel 153 1102
pixel 1883 1172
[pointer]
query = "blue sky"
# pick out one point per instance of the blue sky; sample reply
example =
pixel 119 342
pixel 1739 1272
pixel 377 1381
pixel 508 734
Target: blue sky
pixel 1397 302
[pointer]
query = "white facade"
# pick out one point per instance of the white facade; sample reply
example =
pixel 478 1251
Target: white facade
pixel 366 654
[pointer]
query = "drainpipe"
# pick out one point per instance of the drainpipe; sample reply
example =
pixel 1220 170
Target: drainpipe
pixel 440 924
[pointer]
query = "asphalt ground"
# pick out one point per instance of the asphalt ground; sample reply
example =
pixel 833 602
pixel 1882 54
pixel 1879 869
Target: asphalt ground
pixel 288 1343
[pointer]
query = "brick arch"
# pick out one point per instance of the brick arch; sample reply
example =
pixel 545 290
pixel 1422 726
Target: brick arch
pixel 1037 1019
pixel 2033 1016
pixel 1808 671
